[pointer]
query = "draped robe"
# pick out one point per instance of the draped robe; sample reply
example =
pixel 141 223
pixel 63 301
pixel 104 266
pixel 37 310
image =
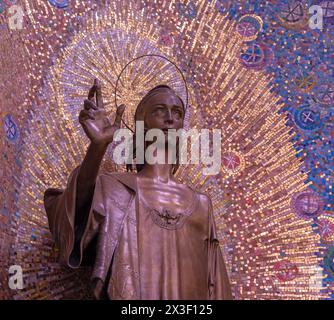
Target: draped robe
pixel 134 251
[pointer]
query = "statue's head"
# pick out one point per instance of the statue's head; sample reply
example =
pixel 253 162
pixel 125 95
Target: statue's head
pixel 161 108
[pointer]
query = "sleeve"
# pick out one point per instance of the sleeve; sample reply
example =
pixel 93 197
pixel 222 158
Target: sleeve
pixel 218 281
pixel 60 209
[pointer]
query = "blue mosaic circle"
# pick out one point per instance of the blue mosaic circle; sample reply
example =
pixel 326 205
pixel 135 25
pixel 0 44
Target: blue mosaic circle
pixel 324 94
pixel 60 4
pixel 10 128
pixel 255 56
pixel 307 119
pixel 252 55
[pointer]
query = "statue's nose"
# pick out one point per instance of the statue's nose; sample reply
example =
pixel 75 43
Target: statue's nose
pixel 169 117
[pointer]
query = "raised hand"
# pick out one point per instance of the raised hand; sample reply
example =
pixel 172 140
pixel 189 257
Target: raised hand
pixel 94 120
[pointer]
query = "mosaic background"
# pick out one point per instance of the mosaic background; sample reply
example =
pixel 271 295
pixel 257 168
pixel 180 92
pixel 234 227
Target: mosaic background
pixel 255 69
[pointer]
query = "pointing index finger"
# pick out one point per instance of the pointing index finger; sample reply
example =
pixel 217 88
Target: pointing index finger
pixel 91 93
pixel 99 98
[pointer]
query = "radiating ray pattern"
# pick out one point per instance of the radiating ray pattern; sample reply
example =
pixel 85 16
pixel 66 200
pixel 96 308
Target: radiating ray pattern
pixel 272 250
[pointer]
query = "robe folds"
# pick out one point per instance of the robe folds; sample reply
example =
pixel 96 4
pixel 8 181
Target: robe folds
pixel 136 253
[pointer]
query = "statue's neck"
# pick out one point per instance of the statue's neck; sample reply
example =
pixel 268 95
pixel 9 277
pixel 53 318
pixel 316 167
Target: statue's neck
pixel 160 172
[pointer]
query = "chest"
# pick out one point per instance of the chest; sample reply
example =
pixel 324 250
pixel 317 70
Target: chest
pixel 175 198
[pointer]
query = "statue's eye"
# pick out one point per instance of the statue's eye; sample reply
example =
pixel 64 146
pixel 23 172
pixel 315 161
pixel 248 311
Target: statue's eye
pixel 158 109
pixel 178 112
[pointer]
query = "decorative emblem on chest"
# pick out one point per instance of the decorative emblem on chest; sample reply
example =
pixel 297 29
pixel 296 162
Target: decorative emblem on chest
pixel 167 219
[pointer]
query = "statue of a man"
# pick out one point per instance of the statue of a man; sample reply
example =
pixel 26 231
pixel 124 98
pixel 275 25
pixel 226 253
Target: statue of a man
pixel 147 235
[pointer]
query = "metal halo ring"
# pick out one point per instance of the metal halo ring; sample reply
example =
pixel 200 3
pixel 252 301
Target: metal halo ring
pixel 150 55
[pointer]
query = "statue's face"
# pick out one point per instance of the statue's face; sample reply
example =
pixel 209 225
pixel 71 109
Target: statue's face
pixel 163 110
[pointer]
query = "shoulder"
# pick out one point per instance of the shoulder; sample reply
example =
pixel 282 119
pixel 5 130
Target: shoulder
pixel 203 198
pixel 201 195
pixel 117 176
pixel 118 180
pixel 116 188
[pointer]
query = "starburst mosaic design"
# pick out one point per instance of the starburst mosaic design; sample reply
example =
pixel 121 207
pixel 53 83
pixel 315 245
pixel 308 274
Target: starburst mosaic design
pixel 270 226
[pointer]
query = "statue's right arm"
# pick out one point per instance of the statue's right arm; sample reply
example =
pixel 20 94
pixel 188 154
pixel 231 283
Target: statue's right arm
pixel 68 210
pixel 86 179
pixel 100 132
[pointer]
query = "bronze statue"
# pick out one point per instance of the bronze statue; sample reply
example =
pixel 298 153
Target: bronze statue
pixel 147 235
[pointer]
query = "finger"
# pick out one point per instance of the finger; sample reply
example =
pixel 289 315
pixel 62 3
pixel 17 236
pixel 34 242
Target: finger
pixel 119 114
pixel 91 92
pixel 85 115
pixel 83 119
pixel 88 104
pixel 99 98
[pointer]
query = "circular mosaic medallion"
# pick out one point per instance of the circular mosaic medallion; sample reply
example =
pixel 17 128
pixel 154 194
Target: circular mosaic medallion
pixel 307 118
pixel 307 204
pixel 305 82
pixel 255 56
pixel 324 94
pixel 10 128
pixel 326 228
pixel 293 15
pixel 249 26
pixel 252 55
pixel 232 162
pixel 285 270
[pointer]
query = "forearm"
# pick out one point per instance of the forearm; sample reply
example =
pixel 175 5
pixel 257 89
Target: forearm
pixel 86 180
pixel 88 172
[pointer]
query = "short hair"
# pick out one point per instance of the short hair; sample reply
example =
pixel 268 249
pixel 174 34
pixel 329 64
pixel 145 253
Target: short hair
pixel 140 107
